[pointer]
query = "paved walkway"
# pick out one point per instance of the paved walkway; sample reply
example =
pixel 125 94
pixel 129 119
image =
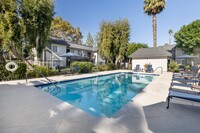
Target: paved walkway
pixel 25 109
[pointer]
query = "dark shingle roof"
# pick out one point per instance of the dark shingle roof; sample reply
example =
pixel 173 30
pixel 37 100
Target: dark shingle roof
pixel 167 47
pixel 149 53
pixel 78 46
pixel 60 41
pixel 56 40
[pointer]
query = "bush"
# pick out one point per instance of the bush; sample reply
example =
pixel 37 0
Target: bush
pixel 42 69
pixel 53 72
pixel 107 67
pixel 33 74
pixel 173 67
pixel 20 73
pixel 111 66
pixel 84 67
pixel 129 67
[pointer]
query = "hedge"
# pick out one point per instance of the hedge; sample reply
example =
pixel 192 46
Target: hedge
pixel 173 67
pixel 107 67
pixel 84 67
pixel 43 70
pixel 6 75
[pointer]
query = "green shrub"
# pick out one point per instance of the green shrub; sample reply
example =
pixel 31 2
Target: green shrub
pixel 31 74
pixel 129 67
pixel 84 67
pixel 53 72
pixel 173 67
pixel 146 66
pixel 187 67
pixel 20 73
pixel 111 66
pixel 107 67
pixel 41 69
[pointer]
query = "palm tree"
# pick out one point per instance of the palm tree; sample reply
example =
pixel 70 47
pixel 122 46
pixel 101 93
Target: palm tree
pixel 170 33
pixel 153 7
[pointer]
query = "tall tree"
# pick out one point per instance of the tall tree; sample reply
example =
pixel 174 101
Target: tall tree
pixel 188 37
pixel 132 47
pixel 27 23
pixel 90 40
pixel 113 40
pixel 152 8
pixel 170 32
pixel 63 29
pixel 37 16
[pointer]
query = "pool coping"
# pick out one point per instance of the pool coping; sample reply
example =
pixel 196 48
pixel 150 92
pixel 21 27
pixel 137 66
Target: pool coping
pixel 92 76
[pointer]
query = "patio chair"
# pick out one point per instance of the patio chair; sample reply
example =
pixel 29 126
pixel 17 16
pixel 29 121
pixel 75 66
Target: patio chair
pixel 183 94
pixel 75 69
pixel 188 74
pixel 186 80
pixel 149 69
pixel 137 68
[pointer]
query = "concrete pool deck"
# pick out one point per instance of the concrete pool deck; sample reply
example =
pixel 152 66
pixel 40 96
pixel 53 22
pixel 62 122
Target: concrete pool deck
pixel 26 109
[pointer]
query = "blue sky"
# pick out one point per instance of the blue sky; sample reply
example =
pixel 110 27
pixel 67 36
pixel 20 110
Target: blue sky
pixel 88 14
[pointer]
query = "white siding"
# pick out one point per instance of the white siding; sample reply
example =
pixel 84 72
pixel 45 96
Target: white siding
pixel 155 63
pixel 98 59
pixel 60 50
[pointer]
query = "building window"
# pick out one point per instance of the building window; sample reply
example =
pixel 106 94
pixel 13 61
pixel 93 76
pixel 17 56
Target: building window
pixel 55 49
pixel 79 52
pixel 72 51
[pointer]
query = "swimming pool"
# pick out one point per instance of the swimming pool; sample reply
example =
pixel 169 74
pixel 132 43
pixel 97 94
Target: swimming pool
pixel 100 95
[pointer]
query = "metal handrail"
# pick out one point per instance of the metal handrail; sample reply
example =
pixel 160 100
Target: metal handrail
pixel 56 87
pixel 54 54
pixel 157 69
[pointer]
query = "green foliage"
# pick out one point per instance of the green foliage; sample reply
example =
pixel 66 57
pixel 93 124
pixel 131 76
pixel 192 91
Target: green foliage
pixel 152 7
pixel 90 40
pixel 84 67
pixel 41 69
pixel 110 66
pixel 113 40
pixel 173 67
pixel 132 47
pixel 8 23
pixel 187 68
pixel 44 70
pixel 107 67
pixel 129 67
pixel 37 16
pixel 20 73
pixel 25 24
pixel 146 66
pixel 188 37
pixel 63 29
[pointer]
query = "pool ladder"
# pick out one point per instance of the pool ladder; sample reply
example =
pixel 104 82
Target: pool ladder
pixel 58 89
pixel 157 69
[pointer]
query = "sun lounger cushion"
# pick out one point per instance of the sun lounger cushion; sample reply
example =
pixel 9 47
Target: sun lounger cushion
pixel 183 94
pixel 189 95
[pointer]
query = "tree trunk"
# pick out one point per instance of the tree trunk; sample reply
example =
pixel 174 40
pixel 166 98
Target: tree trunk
pixel 154 31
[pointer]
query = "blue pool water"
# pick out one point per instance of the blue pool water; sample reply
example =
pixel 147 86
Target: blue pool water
pixel 102 95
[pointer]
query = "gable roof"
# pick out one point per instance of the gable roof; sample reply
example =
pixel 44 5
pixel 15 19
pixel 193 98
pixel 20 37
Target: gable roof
pixel 149 53
pixel 60 41
pixel 78 46
pixel 167 47
pixel 56 40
